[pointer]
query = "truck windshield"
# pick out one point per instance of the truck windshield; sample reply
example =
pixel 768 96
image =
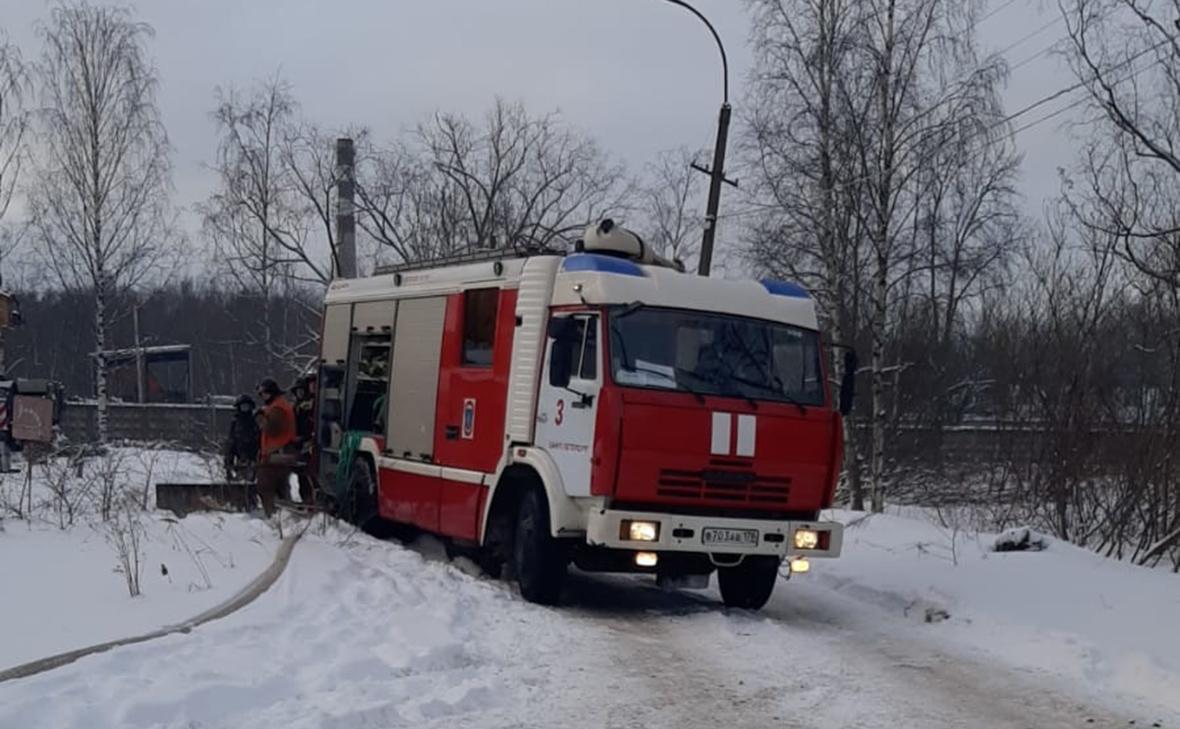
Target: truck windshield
pixel 715 354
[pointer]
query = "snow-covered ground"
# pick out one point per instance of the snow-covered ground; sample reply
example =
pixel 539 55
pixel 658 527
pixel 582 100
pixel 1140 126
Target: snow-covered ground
pixel 63 589
pixel 1105 626
pixel 362 633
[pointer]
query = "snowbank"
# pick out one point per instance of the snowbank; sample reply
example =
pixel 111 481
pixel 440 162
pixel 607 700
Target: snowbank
pixel 355 633
pixel 1104 625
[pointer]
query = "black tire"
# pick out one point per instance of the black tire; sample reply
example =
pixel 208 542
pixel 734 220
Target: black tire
pixel 538 560
pixel 361 499
pixel 748 585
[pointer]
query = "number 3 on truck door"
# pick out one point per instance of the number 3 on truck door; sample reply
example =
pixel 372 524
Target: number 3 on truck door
pixel 568 405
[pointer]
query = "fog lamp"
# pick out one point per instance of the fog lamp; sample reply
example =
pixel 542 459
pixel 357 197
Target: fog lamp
pixel 646 559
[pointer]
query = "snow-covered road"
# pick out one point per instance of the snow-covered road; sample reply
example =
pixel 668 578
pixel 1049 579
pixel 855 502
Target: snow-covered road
pixel 370 634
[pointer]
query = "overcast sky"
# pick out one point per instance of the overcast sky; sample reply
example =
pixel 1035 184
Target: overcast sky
pixel 640 75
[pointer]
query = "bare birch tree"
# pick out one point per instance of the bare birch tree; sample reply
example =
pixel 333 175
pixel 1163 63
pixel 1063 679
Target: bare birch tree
pixel 1124 189
pixel 966 228
pixel 806 177
pixel 1126 55
pixel 251 219
pixel 14 128
pixel 274 211
pixel 670 204
pixel 514 180
pixel 98 200
pixel 409 207
pixel 308 157
pixel 14 120
pixel 843 128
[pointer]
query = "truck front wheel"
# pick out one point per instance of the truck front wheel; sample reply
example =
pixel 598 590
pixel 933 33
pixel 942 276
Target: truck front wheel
pixel 748 585
pixel 538 559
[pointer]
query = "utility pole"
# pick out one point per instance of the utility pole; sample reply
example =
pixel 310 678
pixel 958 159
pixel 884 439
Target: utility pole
pixel 345 258
pixel 716 177
pixel 139 363
pixel 717 173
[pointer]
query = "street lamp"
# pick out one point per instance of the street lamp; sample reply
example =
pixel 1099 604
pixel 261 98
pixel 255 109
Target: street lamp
pixel 717 173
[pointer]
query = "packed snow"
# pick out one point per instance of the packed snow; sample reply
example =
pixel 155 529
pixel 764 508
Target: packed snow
pixel 915 625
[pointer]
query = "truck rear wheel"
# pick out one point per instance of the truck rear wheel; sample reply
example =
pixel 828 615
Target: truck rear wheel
pixel 748 585
pixel 538 559
pixel 361 499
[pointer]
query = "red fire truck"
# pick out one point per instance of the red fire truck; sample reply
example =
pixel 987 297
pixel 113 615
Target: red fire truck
pixel 601 408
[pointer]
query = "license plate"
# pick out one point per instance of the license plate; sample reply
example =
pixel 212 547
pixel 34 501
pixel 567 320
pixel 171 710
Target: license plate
pixel 730 537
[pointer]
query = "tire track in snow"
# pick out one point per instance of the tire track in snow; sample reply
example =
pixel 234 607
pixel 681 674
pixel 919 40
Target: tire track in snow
pixel 804 662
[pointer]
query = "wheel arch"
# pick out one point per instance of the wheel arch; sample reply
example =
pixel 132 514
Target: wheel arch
pixel 532 467
pixel 371 448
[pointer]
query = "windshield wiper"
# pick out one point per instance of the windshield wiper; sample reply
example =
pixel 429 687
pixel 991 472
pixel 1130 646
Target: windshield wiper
pixel 779 391
pixel 700 396
pixel 629 309
pixel 735 392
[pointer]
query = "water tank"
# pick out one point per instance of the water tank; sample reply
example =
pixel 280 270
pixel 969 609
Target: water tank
pixel 609 239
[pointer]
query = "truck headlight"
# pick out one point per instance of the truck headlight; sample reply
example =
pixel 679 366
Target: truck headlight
pixel 640 531
pixel 806 539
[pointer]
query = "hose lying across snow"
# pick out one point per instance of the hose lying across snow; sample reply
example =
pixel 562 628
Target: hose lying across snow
pixel 244 597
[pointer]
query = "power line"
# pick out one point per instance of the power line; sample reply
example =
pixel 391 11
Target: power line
pixel 951 97
pixel 1043 51
pixel 1081 84
pixel 1029 36
pixel 1008 119
pixel 1001 8
pixel 1036 55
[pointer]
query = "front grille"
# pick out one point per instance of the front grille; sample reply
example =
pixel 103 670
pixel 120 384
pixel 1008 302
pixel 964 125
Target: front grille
pixel 724 483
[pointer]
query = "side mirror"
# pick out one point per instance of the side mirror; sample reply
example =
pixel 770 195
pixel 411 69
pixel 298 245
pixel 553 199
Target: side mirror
pixel 566 333
pixel 564 328
pixel 561 357
pixel 848 382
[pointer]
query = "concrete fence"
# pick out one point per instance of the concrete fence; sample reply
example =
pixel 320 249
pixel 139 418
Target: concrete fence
pixel 205 426
pixel 189 426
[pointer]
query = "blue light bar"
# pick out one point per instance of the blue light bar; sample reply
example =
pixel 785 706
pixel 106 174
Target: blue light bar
pixel 785 288
pixel 601 264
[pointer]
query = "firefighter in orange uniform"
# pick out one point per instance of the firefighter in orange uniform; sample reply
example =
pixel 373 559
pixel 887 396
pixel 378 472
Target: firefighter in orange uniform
pixel 278 453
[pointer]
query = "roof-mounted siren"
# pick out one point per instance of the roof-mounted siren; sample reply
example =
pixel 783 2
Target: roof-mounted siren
pixel 608 239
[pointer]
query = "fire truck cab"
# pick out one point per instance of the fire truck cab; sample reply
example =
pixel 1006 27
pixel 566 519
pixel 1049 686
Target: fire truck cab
pixel 601 408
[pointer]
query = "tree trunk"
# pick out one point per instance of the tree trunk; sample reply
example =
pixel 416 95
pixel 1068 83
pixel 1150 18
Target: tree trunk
pixel 852 475
pixel 852 472
pixel 877 463
pixel 100 363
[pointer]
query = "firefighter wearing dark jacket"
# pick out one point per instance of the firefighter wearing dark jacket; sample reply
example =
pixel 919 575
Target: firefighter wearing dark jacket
pixel 278 452
pixel 241 446
pixel 304 397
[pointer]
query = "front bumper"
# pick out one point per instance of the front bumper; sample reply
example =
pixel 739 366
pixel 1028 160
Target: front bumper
pixel 683 533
